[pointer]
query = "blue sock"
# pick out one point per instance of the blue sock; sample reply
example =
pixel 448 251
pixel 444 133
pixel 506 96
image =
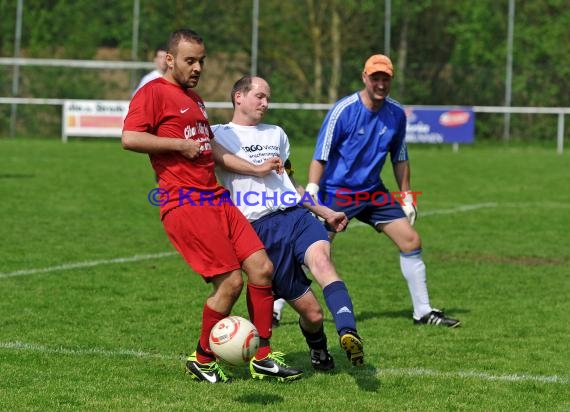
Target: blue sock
pixel 340 305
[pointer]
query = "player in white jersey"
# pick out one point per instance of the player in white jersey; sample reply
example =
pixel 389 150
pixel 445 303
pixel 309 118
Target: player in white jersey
pixel 160 67
pixel 292 236
pixel 354 141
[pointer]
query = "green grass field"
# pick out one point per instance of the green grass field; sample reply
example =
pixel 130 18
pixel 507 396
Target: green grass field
pixel 96 309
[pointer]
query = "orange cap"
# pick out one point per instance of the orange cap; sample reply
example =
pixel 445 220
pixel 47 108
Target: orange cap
pixel 378 63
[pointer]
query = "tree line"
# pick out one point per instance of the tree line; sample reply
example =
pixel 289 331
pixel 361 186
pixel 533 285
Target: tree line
pixel 445 52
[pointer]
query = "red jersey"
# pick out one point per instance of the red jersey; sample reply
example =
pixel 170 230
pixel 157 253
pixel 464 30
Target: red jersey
pixel 167 110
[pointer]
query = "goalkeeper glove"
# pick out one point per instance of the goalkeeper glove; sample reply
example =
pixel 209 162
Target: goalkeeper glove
pixel 409 207
pixel 313 189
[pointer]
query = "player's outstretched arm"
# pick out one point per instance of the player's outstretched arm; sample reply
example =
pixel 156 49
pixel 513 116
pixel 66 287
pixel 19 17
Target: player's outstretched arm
pixel 336 220
pixel 144 142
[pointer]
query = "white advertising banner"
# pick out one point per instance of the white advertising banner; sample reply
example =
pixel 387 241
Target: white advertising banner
pixel 93 118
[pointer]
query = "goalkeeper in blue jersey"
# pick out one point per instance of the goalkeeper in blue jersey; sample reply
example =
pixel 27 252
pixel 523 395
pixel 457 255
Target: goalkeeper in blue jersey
pixel 354 141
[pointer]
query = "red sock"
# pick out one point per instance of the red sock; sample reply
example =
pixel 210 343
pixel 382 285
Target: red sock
pixel 260 308
pixel 262 352
pixel 209 318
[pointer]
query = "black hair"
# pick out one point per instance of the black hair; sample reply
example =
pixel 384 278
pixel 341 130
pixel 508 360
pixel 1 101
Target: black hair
pixel 182 34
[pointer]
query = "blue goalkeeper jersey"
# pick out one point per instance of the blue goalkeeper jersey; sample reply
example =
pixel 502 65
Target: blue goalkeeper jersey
pixel 355 141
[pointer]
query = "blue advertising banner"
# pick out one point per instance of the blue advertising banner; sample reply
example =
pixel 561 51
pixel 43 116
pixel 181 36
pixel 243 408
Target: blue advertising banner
pixel 440 125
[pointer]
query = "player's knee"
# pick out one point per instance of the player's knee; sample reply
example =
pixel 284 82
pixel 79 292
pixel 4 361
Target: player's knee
pixel 318 257
pixel 320 263
pixel 314 318
pixel 266 269
pixel 230 288
pixel 411 243
pixel 416 241
pixel 262 273
pixel 233 286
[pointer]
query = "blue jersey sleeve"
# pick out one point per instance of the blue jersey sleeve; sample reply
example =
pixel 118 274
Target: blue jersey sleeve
pixel 333 127
pixel 324 139
pixel 398 148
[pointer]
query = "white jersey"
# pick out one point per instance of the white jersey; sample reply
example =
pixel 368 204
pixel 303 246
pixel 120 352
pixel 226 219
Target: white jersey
pixel 155 74
pixel 256 196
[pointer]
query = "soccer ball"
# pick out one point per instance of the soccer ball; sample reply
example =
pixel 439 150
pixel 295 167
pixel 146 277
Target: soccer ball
pixel 234 340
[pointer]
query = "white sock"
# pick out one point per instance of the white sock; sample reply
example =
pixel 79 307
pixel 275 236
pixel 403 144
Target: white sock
pixel 278 307
pixel 414 271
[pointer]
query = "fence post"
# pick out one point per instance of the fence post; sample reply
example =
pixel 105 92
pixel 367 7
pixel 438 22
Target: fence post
pixel 560 139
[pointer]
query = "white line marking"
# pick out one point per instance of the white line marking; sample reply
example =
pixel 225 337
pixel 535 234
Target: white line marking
pixel 458 209
pixel 473 375
pixel 555 379
pixel 78 265
pixel 17 345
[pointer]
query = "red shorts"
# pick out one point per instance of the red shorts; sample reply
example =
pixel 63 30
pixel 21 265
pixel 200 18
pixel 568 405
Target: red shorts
pixel 212 239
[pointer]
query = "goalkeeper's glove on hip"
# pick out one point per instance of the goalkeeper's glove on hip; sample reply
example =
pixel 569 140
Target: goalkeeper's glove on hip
pixel 409 207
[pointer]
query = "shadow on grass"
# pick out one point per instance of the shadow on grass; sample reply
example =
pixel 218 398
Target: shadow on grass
pixel 381 314
pixel 403 314
pixel 360 316
pixel 260 399
pixel 366 377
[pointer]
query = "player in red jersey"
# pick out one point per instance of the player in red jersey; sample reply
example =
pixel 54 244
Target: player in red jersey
pixel 168 120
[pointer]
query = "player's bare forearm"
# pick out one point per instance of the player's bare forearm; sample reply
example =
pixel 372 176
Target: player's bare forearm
pixel 316 170
pixel 336 220
pixel 402 175
pixel 144 142
pixel 229 161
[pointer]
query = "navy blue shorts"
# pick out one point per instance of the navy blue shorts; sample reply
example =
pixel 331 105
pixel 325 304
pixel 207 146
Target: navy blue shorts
pixel 373 207
pixel 287 235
